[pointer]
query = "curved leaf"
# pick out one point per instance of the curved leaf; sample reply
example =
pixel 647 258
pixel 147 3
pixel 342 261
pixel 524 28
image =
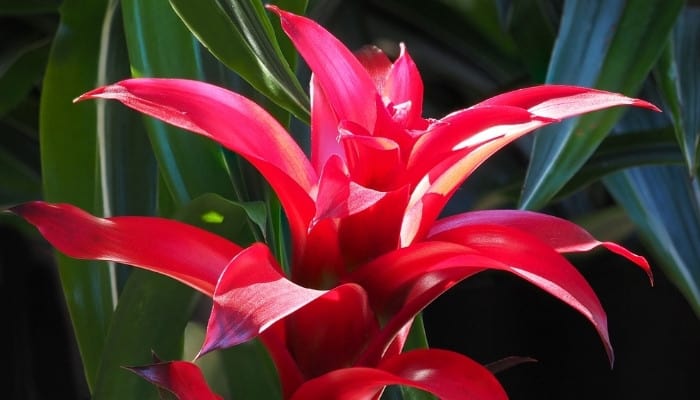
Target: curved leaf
pixel 180 251
pixel 448 375
pixel 610 45
pixel 405 281
pixel 251 295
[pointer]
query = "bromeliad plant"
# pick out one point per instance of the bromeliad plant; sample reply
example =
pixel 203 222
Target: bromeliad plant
pixel 369 249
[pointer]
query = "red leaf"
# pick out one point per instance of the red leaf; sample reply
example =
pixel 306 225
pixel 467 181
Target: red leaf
pixel 549 103
pixel 252 294
pixel 534 260
pixel 324 128
pixel 447 375
pixel 376 63
pixel 374 161
pixel 331 332
pixel 466 130
pixel 564 236
pixel 405 86
pixel 402 283
pixel 183 379
pixel 562 101
pixel 346 84
pixel 183 252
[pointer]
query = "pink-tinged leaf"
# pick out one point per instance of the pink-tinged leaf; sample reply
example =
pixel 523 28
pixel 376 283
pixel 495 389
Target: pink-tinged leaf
pixel 466 130
pixel 348 87
pixel 377 65
pixel 402 283
pixel 359 244
pixel 564 236
pixel 320 262
pixel 435 189
pixel 251 295
pixel 183 252
pixel 405 86
pixel 563 101
pixel 336 326
pixel 373 161
pixel 324 128
pixel 181 378
pixel 236 123
pixel 338 196
pixel 447 375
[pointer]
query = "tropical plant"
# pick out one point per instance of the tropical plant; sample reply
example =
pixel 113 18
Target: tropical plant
pixel 148 168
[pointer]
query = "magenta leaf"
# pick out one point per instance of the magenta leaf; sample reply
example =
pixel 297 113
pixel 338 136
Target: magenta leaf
pixel 251 295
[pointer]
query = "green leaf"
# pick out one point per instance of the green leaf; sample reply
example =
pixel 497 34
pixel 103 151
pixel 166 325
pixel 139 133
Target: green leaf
pixel 610 45
pixel 245 42
pixel 161 46
pixel 152 314
pixel 68 155
pixel 618 152
pixel 677 75
pixel 234 221
pixel 251 372
pixel 664 202
pixel 665 205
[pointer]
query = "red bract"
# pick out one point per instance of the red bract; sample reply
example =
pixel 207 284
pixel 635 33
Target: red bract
pixel 369 251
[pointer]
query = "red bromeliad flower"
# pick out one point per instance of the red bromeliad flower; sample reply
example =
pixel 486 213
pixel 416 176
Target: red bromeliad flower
pixel 369 252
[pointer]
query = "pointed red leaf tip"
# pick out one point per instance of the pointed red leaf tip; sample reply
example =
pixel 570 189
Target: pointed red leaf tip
pixel 190 255
pixel 347 85
pixel 447 375
pixel 183 379
pixel 563 101
pixel 564 236
pixel 253 294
